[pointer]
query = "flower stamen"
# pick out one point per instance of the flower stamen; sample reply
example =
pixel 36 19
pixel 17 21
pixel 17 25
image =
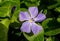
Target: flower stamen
pixel 30 20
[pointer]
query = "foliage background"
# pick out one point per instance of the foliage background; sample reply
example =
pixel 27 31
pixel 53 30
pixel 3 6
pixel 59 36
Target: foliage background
pixel 10 24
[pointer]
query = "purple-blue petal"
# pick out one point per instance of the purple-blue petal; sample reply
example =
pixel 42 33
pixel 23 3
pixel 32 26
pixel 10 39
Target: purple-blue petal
pixel 26 27
pixel 24 16
pixel 40 17
pixel 36 28
pixel 33 11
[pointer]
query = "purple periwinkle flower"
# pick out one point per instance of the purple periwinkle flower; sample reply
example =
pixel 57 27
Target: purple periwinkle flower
pixel 30 18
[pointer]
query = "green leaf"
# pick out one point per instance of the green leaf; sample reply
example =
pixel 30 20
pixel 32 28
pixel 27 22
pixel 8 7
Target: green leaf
pixel 29 4
pixel 45 22
pixel 5 22
pixel 15 16
pixel 0 1
pixel 58 19
pixel 45 11
pixel 57 9
pixel 5 9
pixel 52 32
pixel 50 39
pixel 16 12
pixel 51 27
pixel 33 0
pixel 37 37
pixel 58 1
pixel 16 2
pixel 3 33
pixel 4 26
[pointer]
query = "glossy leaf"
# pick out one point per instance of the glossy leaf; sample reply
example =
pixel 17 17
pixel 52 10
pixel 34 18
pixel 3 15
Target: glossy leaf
pixel 32 4
pixel 51 27
pixel 5 9
pixel 37 37
pixel 5 22
pixel 52 32
pixel 4 26
pixel 57 9
pixel 3 33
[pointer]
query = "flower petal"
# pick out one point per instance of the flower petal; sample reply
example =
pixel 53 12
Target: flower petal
pixel 33 11
pixel 26 27
pixel 36 28
pixel 24 16
pixel 40 17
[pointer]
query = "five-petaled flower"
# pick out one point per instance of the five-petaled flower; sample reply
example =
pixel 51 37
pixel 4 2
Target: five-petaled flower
pixel 30 18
